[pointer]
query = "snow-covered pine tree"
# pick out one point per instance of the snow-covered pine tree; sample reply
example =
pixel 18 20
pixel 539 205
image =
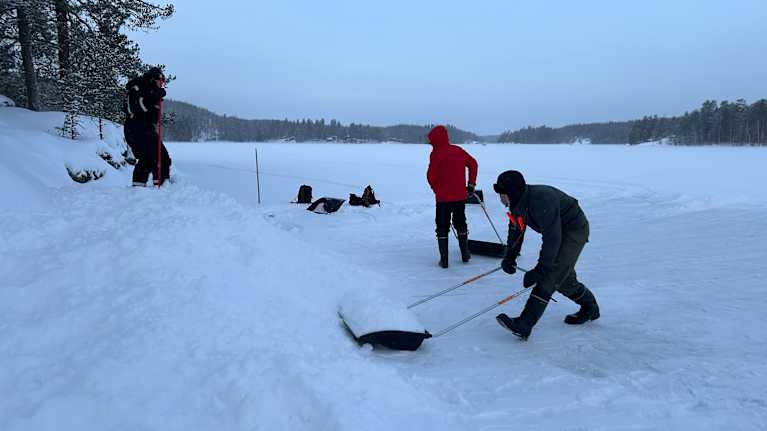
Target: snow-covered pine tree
pixel 99 58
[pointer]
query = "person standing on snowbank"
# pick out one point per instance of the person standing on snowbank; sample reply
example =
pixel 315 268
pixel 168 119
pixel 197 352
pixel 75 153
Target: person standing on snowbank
pixel 142 111
pixel 565 230
pixel 447 178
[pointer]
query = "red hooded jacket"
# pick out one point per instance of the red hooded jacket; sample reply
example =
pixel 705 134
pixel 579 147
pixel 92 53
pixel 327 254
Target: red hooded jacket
pixel 447 167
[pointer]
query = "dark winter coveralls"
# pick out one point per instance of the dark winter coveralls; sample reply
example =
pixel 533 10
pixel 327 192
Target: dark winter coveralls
pixel 565 230
pixel 447 178
pixel 142 109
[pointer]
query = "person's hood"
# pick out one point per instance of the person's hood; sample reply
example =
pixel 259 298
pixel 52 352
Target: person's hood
pixel 438 136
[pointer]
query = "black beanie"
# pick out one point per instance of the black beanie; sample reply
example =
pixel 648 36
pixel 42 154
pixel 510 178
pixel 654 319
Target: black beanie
pixel 154 73
pixel 512 184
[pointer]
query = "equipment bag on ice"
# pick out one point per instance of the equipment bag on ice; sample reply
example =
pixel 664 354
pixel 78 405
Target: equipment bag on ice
pixel 304 195
pixel 368 198
pixel 326 205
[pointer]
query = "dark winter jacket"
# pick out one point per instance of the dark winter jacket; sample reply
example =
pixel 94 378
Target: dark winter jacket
pixel 548 211
pixel 447 168
pixel 142 103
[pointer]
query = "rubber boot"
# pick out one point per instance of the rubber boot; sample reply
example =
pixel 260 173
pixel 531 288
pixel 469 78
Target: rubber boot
pixel 442 242
pixel 589 309
pixel 522 326
pixel 463 244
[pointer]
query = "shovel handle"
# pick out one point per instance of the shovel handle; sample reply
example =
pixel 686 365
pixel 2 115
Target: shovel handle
pixel 479 313
pixel 482 204
pixel 450 289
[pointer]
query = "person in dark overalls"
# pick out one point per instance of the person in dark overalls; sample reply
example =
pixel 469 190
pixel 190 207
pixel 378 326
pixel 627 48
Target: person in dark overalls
pixel 565 230
pixel 142 112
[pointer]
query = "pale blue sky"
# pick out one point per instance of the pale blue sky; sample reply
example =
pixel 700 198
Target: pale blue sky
pixel 485 66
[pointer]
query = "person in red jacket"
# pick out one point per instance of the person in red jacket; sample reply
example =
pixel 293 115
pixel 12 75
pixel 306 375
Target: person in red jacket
pixel 447 178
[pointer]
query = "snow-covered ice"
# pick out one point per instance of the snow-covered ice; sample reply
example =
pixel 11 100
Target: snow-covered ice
pixel 193 307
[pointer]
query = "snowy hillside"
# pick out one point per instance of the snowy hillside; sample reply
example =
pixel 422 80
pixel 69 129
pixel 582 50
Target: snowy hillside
pixel 34 157
pixel 193 307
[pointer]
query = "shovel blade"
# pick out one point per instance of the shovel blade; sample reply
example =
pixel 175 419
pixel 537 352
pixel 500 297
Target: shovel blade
pixel 395 340
pixel 490 249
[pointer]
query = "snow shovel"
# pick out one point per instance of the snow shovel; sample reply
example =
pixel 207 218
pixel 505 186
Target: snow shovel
pixel 392 328
pixel 479 313
pixel 485 248
pixel 376 326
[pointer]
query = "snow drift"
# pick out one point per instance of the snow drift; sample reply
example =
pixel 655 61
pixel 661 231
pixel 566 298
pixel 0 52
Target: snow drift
pixel 173 308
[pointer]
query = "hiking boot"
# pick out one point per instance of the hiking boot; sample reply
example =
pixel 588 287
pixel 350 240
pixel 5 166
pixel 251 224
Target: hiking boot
pixel 589 309
pixel 463 244
pixel 442 243
pixel 515 325
pixel 522 326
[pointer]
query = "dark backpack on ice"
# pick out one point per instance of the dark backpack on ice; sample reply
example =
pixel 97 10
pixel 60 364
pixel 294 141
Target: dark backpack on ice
pixel 368 198
pixel 304 195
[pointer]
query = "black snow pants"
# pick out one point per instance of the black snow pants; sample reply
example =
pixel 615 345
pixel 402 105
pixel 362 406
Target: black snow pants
pixel 142 140
pixel 446 210
pixel 563 278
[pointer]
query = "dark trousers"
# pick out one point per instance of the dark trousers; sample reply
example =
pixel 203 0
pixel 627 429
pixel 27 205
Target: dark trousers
pixel 142 141
pixel 563 278
pixel 446 210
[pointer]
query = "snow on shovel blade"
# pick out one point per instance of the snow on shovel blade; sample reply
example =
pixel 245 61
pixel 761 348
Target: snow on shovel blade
pixel 380 321
pixel 484 248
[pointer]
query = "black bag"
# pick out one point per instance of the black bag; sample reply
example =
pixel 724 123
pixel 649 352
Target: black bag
pixel 368 198
pixel 304 195
pixel 326 205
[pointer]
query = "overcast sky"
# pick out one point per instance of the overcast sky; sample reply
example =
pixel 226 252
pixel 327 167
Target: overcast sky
pixel 485 66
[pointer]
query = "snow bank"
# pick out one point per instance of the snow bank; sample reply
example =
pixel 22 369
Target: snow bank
pixel 6 102
pixel 34 158
pixel 179 309
pixel 173 309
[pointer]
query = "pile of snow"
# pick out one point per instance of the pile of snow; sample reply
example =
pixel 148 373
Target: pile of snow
pixel 34 157
pixel 174 309
pixel 367 310
pixel 662 141
pixel 6 102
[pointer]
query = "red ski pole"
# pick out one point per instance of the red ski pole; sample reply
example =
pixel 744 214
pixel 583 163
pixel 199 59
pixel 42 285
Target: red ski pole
pixel 158 179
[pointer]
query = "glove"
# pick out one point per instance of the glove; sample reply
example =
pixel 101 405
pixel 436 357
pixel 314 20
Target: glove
pixel 470 188
pixel 509 265
pixel 534 276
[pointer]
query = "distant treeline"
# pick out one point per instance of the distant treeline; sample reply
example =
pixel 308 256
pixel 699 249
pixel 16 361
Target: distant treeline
pixel 726 123
pixel 187 122
pixel 596 133
pixel 714 123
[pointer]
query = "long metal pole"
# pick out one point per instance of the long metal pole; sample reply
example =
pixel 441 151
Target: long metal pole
pixel 430 297
pixel 158 179
pixel 482 204
pixel 475 315
pixel 258 177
